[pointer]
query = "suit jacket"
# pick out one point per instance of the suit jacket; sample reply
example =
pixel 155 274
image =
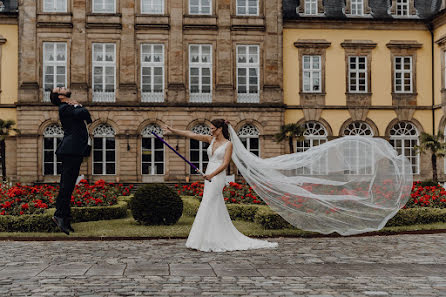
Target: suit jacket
pixel 75 139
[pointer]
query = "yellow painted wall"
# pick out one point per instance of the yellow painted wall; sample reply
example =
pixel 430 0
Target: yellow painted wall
pixel 438 33
pixel 9 64
pixel 335 63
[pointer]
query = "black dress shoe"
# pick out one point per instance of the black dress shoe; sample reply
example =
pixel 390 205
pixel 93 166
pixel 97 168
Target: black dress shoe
pixel 67 222
pixel 60 223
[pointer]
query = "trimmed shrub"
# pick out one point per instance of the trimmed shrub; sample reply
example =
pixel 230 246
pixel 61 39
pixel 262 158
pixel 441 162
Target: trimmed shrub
pixel 414 216
pixel 270 219
pixel 429 183
pixel 156 204
pixel 190 206
pixel 43 222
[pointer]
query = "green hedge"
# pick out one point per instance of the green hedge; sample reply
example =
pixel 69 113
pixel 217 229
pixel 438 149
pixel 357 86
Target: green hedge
pixel 415 216
pixel 44 223
pixel 269 219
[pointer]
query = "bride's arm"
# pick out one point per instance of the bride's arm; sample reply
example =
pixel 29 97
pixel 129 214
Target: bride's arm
pixel 224 165
pixel 188 134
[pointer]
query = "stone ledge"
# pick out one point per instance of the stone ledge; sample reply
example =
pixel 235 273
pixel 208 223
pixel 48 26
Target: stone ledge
pixel 312 43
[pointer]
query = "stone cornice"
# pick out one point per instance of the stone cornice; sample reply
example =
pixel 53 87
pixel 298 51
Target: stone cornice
pixel 365 44
pixel 312 43
pixel 103 26
pixel 404 44
pixel 152 26
pixel 2 40
pixel 54 25
pixel 441 41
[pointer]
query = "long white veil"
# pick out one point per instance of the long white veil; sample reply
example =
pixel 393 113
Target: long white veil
pixel 349 185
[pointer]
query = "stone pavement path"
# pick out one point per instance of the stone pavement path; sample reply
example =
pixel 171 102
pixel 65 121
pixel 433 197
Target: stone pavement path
pixel 402 265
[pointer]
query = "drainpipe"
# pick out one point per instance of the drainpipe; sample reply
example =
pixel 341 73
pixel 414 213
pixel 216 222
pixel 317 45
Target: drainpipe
pixel 431 30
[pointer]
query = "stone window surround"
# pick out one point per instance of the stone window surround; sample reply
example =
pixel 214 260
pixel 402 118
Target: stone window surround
pixel 139 43
pixel 89 8
pixel 89 58
pixel 41 41
pixel 412 10
pixel 312 47
pixel 2 42
pixel 365 5
pixel 259 9
pixel 138 4
pixel 404 48
pixel 301 7
pixel 358 48
pixel 40 8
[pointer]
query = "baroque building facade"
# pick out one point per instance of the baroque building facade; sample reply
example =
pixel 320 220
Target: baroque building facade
pixel 372 68
pixel 138 65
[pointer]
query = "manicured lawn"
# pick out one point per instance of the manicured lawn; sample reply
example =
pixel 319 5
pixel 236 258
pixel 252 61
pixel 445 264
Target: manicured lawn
pixel 127 227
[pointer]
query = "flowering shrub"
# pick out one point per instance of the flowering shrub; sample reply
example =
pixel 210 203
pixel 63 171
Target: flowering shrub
pixel 242 193
pixel 428 196
pixel 21 199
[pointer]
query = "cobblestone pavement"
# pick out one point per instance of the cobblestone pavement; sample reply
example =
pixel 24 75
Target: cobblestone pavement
pixel 402 265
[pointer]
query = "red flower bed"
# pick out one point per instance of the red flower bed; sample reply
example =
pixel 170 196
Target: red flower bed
pixel 428 196
pixel 232 193
pixel 21 199
pixel 242 193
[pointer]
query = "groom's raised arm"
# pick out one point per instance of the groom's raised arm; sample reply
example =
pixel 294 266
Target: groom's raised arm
pixel 80 113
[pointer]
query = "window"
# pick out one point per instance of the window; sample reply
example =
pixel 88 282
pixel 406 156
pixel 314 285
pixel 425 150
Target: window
pixel 152 72
pixel 55 5
pixel 104 72
pixel 310 7
pixel 357 7
pixel 152 6
pixel 152 151
pixel 200 73
pixel 314 135
pixel 359 156
pixel 200 6
pixel 402 7
pixel 104 6
pixel 52 136
pixel 311 74
pixel 104 151
pixel 54 67
pixel 403 74
pixel 248 76
pixel 404 137
pixel 198 154
pixel 249 135
pixel 357 73
pixel 247 7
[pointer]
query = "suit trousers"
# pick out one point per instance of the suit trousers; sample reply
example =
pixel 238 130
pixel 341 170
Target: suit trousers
pixel 71 165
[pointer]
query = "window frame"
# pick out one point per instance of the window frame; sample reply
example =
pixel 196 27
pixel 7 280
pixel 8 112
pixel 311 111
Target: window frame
pixel 145 135
pixel 103 5
pixel 403 71
pixel 247 7
pixel 201 97
pixel 248 96
pixel 54 5
pixel 152 96
pixel 104 151
pixel 54 64
pixel 311 71
pixel 152 12
pixel 357 72
pixel 200 8
pixel 104 65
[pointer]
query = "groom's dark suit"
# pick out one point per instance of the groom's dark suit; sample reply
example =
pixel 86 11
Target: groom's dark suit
pixel 73 148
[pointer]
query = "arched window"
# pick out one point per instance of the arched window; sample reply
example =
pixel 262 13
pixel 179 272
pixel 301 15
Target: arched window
pixel 249 135
pixel 358 155
pixel 314 134
pixel 197 151
pixel 104 150
pixel 358 128
pixel 404 137
pixel 52 136
pixel 152 151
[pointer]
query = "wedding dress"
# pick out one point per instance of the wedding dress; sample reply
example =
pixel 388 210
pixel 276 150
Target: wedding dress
pixel 212 230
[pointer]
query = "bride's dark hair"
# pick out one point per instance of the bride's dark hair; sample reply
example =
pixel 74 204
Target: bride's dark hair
pixel 221 123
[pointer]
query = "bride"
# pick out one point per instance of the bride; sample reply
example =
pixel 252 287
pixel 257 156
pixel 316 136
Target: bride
pixel 212 230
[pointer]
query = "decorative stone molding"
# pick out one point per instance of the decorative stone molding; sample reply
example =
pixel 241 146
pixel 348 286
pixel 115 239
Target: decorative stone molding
pixel 312 47
pixel 358 48
pixel 404 48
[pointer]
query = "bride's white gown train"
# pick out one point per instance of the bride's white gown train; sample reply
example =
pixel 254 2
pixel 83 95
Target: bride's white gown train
pixel 212 230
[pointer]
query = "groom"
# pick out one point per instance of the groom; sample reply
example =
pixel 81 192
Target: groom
pixel 71 151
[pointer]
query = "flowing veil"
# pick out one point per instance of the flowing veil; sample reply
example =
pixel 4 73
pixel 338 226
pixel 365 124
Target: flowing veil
pixel 349 185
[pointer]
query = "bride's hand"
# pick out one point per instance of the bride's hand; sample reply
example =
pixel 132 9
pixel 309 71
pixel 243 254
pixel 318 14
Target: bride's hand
pixel 207 177
pixel 167 130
